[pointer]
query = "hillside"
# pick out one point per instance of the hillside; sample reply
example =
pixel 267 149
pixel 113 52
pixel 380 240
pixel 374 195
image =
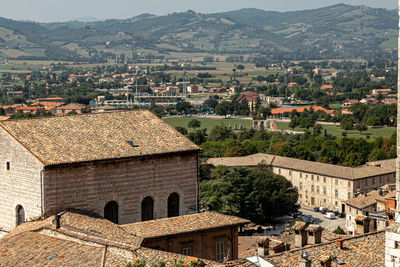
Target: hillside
pixel 339 31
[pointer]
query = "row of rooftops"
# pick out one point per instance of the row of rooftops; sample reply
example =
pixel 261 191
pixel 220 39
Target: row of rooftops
pixel 369 170
pixel 82 238
pixel 75 237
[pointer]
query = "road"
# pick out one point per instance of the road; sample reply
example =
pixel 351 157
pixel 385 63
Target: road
pixel 327 224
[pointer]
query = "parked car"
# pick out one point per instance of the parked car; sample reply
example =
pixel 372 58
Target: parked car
pixel 316 209
pixel 330 215
pixel 323 210
pixel 307 218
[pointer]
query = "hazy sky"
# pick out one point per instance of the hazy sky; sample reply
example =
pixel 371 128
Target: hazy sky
pixel 63 10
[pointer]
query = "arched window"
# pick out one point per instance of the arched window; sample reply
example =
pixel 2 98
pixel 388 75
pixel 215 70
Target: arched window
pixel 111 212
pixel 147 209
pixel 173 205
pixel 20 215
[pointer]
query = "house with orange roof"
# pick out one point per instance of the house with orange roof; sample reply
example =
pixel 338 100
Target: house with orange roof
pixel 281 111
pixel 326 87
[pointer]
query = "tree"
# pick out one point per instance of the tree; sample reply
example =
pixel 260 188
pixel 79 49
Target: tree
pixel 347 123
pixel 182 130
pixel 220 132
pixel 240 67
pixel 198 137
pixel 211 103
pixel 361 127
pixel 224 108
pixel 339 231
pixel 294 122
pixel 194 124
pixel 317 129
pixel 358 110
pixel 373 120
pixel 183 107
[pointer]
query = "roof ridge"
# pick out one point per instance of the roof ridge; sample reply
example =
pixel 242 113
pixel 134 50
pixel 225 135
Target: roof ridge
pixel 75 115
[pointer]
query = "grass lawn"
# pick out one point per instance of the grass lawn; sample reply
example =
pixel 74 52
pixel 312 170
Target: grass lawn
pixel 210 123
pixel 337 131
pixel 207 123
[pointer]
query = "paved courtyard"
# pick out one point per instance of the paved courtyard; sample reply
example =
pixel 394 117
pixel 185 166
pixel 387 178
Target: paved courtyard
pixel 324 222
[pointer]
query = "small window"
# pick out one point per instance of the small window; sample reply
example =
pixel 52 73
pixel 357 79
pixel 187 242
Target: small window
pixel 324 179
pixel 317 189
pixel 312 188
pixel 348 195
pixel 301 186
pixel 317 178
pixel 290 173
pixel 8 165
pixel 312 177
pixel 187 251
pixel 301 175
pixel 336 193
pixel 219 250
pixel 20 215
pixel 336 181
pixel 324 190
pixel 349 184
pixel 279 171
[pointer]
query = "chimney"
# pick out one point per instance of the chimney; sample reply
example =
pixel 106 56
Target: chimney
pixel 58 224
pixel 340 243
pixel 300 234
pixel 326 260
pixel 263 247
pixel 304 262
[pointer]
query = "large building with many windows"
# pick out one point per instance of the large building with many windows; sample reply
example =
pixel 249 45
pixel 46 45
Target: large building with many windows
pixel 126 166
pixel 320 184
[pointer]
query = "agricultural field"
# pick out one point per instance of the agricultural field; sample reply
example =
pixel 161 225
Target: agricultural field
pixel 209 123
pixel 337 131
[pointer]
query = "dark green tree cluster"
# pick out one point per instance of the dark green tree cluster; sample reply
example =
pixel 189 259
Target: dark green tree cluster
pixel 256 194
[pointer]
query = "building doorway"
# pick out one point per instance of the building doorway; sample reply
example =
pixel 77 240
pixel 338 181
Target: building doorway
pixel 147 209
pixel 173 205
pixel 111 212
pixel 20 215
pixel 312 201
pixel 343 208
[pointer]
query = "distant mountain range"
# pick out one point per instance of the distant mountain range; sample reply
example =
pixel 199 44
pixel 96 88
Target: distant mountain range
pixel 339 31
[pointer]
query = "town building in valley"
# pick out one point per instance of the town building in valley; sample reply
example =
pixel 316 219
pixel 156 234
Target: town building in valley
pixel 320 184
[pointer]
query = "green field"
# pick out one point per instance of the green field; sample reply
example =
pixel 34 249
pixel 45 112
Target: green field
pixel 337 131
pixel 209 123
pixel 206 122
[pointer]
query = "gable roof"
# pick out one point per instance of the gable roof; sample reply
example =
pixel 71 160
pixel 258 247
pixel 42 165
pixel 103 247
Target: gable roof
pixel 318 168
pixel 83 239
pixel 182 224
pixel 100 136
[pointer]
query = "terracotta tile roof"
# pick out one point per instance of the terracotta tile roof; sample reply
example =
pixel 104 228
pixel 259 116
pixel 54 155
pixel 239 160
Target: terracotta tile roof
pixel 276 111
pixel 251 160
pixel 100 136
pixel 387 164
pixel 365 250
pixel 33 249
pixel 247 245
pixel 182 224
pixel 365 200
pixel 299 226
pixel 152 257
pixel 323 169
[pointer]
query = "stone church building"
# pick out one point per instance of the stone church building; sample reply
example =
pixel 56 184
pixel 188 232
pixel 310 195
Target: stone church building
pixel 127 166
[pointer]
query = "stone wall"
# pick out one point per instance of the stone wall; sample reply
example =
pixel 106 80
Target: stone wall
pixel 202 243
pixel 21 184
pixel 92 185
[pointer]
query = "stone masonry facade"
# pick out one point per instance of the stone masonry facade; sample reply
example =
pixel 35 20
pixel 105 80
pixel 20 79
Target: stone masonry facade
pixel 20 185
pixel 127 182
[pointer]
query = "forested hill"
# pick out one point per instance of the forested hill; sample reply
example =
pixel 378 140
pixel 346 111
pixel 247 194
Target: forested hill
pixel 339 31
